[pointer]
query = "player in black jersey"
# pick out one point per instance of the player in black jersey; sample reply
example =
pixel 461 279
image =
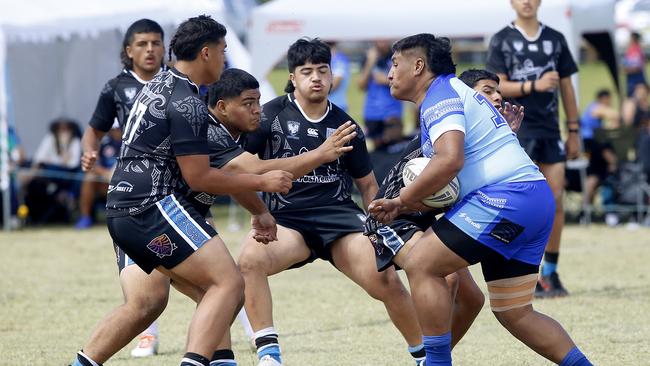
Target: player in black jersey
pixel 317 218
pixel 164 145
pixel 142 57
pixel 533 62
pixel 392 242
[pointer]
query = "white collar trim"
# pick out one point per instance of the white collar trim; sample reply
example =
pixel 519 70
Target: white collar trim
pixel 523 33
pixel 329 108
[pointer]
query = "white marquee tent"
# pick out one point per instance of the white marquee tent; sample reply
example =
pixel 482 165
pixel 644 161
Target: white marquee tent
pixel 279 23
pixel 55 56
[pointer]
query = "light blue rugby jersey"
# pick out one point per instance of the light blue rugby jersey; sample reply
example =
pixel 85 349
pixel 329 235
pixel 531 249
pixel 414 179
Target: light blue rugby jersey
pixel 492 152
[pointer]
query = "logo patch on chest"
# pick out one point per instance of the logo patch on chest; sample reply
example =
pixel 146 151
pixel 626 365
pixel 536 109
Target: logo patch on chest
pixel 293 127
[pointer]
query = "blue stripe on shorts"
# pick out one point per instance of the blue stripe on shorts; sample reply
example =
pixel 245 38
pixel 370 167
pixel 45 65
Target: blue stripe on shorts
pixel 182 222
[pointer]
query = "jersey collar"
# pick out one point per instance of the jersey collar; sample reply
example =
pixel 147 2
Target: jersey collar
pixel 220 125
pixel 182 76
pixel 292 99
pixel 523 33
pixel 136 77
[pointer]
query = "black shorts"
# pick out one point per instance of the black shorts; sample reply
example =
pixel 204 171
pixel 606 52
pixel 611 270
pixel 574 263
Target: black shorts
pixel 321 226
pixel 388 240
pixel 544 151
pixel 493 264
pixel 164 234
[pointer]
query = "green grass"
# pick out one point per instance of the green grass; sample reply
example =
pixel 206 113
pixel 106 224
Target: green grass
pixel 57 283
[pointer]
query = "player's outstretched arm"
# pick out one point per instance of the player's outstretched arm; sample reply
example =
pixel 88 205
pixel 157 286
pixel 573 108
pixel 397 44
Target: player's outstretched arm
pixel 90 145
pixel 333 148
pixel 201 178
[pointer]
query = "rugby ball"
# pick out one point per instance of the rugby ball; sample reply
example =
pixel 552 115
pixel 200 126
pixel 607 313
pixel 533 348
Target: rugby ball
pixel 444 197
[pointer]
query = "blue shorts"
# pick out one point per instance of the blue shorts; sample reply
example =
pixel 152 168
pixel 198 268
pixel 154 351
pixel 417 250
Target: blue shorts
pixel 512 219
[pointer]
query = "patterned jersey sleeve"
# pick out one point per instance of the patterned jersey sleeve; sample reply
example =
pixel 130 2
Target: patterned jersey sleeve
pixel 188 125
pixel 105 111
pixel 442 114
pixel 222 146
pixel 358 160
pixel 495 58
pixel 566 65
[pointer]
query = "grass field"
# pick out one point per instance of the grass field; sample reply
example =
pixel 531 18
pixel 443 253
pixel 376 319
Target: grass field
pixel 57 283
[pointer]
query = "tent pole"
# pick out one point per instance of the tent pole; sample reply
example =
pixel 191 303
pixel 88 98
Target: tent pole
pixel 4 139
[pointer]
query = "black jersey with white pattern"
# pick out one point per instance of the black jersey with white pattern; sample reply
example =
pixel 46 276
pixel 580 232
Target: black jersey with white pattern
pixel 168 119
pixel 223 148
pixel 115 100
pixel 391 185
pixel 523 58
pixel 285 131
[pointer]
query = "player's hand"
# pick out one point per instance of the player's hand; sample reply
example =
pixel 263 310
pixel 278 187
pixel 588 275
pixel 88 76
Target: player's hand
pixel 572 146
pixel 264 228
pixel 276 181
pixel 548 82
pixel 335 145
pixel 385 210
pixel 513 114
pixel 372 55
pixel 88 160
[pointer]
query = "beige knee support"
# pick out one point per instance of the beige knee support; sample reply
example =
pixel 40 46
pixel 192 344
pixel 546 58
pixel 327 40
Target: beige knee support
pixel 510 293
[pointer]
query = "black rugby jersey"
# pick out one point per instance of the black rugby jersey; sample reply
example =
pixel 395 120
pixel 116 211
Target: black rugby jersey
pixel 523 58
pixel 223 148
pixel 116 100
pixel 391 185
pixel 285 131
pixel 168 119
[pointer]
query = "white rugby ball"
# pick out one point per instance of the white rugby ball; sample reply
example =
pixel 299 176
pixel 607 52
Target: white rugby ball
pixel 444 197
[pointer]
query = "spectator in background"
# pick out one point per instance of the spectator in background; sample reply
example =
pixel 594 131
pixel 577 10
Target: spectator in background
pixel 52 192
pixel 643 155
pixel 380 106
pixel 636 108
pixel 634 63
pixel 96 181
pixel 340 77
pixel 598 115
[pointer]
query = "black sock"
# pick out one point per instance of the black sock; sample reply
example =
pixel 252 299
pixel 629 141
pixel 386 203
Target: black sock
pixel 551 257
pixel 190 356
pixel 85 360
pixel 266 340
pixel 223 354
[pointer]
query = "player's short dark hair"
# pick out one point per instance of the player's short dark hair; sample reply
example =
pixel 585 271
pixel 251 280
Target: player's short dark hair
pixel 307 50
pixel 603 93
pixel 139 26
pixel 472 76
pixel 193 34
pixel 437 50
pixel 232 83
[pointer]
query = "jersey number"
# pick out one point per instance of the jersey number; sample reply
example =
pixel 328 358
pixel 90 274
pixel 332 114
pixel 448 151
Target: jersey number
pixel 134 120
pixel 497 118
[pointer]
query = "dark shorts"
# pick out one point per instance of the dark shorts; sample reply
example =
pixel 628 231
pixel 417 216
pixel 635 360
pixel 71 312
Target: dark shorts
pixel 500 224
pixel 544 151
pixel 388 240
pixel 321 226
pixel 164 234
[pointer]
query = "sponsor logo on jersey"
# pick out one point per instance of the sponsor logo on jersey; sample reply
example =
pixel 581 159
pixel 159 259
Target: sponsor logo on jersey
pixel 130 93
pixel 547 46
pixel 469 220
pixel 294 127
pixel 330 132
pixel 533 47
pixel 312 132
pixel 162 246
pixel 518 45
pixel 122 186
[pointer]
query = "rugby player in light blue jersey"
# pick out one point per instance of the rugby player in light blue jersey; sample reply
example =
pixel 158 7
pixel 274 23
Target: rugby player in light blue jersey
pixel 503 216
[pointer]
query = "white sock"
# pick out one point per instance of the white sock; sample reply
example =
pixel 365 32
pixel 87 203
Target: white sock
pixel 152 330
pixel 243 319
